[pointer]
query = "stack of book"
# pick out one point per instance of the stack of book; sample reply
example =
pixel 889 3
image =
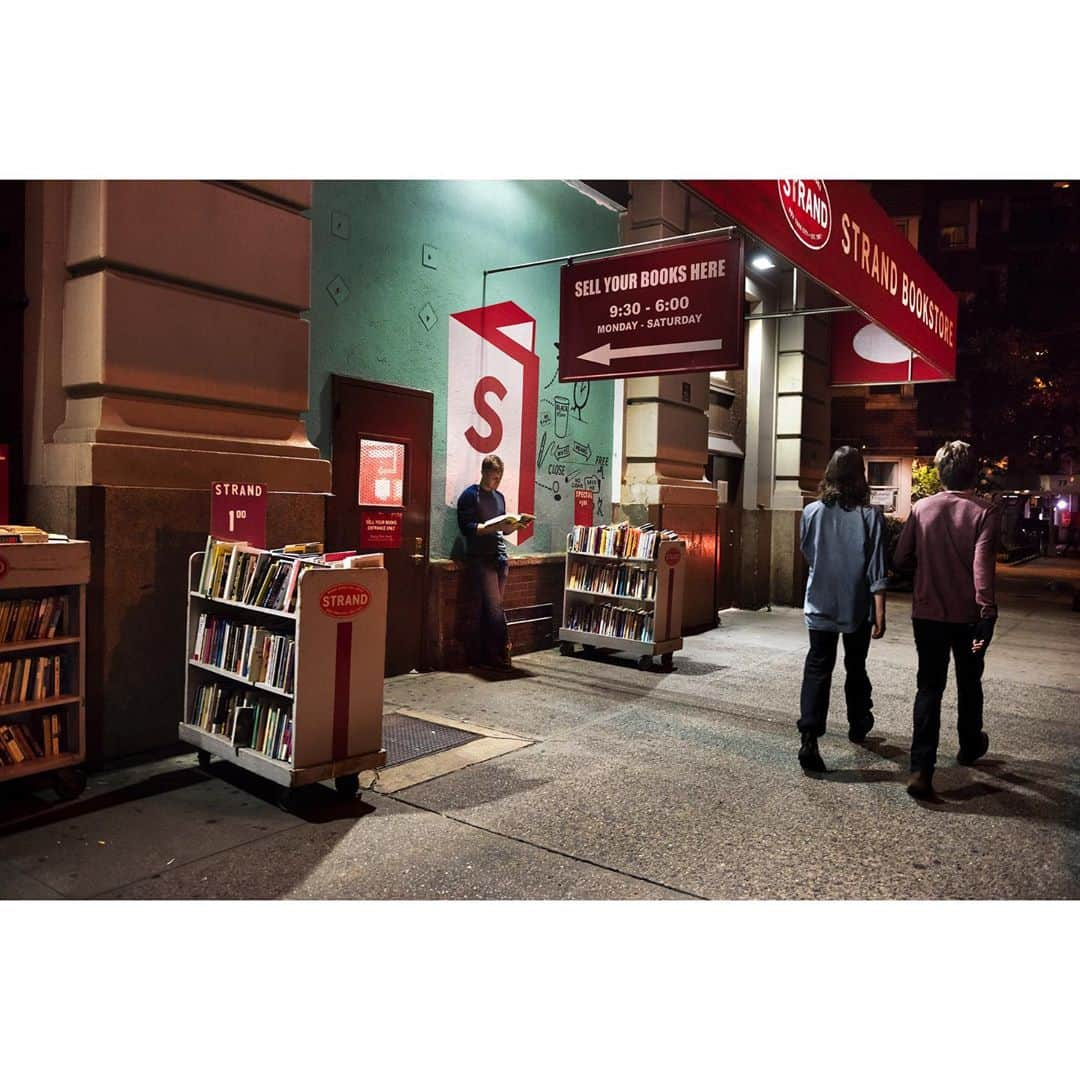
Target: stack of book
pixel 23 534
pixel 611 621
pixel 252 652
pixel 244 718
pixel 249 576
pixel 622 540
pixel 32 619
pixel 20 741
pixel 258 578
pixel 631 581
pixel 31 678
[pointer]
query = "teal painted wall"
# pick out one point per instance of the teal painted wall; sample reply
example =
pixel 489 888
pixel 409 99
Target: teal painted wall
pixel 369 288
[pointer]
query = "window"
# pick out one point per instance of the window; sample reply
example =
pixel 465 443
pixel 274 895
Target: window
pixel 956 224
pixel 909 226
pixel 881 474
pixel 382 473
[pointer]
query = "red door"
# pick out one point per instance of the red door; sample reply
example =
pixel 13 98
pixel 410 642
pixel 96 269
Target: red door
pixel 381 456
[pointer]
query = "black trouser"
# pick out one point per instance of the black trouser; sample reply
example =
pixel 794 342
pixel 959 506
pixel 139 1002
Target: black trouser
pixel 488 633
pixel 934 641
pixel 817 679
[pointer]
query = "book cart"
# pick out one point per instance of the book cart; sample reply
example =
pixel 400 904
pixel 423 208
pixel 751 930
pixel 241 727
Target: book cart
pixel 43 662
pixel 623 602
pixel 314 712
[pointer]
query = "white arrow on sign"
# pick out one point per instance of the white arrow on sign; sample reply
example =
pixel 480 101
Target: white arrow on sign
pixel 604 354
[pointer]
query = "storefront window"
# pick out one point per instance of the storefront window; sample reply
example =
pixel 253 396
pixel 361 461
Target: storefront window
pixel 382 473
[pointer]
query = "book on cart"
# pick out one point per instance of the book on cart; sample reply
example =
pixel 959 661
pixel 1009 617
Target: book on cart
pixel 42 657
pixel 285 660
pixel 23 534
pixel 623 591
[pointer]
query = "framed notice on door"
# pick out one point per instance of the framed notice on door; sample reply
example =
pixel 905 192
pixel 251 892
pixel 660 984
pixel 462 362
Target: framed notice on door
pixel 380 529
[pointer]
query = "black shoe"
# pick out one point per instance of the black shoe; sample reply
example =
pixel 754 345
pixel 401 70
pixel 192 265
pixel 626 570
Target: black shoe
pixel 809 758
pixel 969 757
pixel 857 734
pixel 920 784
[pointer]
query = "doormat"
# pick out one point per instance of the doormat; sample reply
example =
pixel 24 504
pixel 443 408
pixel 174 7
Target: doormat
pixel 406 738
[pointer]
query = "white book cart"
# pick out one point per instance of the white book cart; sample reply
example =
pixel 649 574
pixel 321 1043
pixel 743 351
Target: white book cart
pixel 661 603
pixel 336 703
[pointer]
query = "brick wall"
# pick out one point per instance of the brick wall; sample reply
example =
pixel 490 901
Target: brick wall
pixel 534 580
pixel 880 429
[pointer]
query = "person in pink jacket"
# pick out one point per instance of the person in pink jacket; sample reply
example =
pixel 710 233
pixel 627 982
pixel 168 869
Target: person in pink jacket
pixel 951 541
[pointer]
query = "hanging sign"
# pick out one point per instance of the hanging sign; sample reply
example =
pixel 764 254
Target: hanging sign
pixel 840 236
pixel 493 391
pixel 583 507
pixel 238 512
pixel 380 529
pixel 676 308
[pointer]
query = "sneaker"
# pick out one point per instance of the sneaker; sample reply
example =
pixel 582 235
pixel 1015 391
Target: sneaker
pixel 920 784
pixel 970 756
pixel 857 734
pixel 809 757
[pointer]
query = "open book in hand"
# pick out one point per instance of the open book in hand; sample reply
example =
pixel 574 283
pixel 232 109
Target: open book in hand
pixel 507 523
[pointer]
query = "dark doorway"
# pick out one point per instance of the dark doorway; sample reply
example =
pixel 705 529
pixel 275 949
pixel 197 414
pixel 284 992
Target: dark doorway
pixel 13 304
pixel 381 455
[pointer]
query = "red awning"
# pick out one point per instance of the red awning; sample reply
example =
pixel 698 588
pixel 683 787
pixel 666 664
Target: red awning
pixel 835 232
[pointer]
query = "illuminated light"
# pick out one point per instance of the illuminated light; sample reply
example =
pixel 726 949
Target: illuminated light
pixel 762 262
pixel 1061 183
pixel 1062 504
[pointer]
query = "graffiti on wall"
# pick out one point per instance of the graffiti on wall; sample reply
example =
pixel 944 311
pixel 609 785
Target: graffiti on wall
pixel 566 458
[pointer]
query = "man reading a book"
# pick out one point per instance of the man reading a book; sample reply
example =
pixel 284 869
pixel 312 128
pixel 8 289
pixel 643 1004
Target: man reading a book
pixel 483 520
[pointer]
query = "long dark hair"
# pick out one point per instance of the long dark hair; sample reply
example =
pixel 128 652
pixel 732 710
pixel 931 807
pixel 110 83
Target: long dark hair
pixel 845 480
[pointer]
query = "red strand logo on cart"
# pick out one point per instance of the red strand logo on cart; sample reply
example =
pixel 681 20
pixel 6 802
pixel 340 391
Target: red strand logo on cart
pixel 344 601
pixel 673 556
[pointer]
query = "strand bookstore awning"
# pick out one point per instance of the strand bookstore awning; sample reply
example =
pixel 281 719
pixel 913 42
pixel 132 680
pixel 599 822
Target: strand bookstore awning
pixel 904 325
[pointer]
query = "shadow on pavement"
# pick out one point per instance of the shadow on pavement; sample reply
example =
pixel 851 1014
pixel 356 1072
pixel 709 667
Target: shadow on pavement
pixel 683 666
pixel 494 783
pixel 1043 799
pixel 315 803
pixel 500 674
pixel 31 812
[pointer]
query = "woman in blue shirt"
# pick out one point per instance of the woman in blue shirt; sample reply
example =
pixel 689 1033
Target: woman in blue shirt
pixel 843 541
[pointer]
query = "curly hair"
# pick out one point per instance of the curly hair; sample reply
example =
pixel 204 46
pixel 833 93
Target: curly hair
pixel 845 480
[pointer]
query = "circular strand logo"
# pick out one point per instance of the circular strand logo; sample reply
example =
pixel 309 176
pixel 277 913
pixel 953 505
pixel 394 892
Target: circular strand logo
pixel 808 210
pixel 344 601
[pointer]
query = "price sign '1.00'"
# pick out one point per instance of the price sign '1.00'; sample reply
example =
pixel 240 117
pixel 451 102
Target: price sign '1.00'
pixel 238 512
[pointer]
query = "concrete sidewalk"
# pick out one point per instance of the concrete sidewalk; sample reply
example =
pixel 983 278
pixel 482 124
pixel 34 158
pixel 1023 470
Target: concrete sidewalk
pixel 629 784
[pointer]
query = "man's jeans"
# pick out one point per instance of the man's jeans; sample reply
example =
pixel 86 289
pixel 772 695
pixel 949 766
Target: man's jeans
pixel 488 636
pixel 934 641
pixel 817 679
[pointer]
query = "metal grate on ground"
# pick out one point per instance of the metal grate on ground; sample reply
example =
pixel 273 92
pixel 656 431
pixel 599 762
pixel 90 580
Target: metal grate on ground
pixel 405 738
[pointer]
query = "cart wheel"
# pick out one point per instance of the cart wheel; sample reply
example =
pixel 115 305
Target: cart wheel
pixel 347 786
pixel 203 758
pixel 589 650
pixel 645 663
pixel 69 783
pixel 667 661
pixel 566 648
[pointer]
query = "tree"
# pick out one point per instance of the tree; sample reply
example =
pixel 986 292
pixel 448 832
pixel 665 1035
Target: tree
pixel 924 481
